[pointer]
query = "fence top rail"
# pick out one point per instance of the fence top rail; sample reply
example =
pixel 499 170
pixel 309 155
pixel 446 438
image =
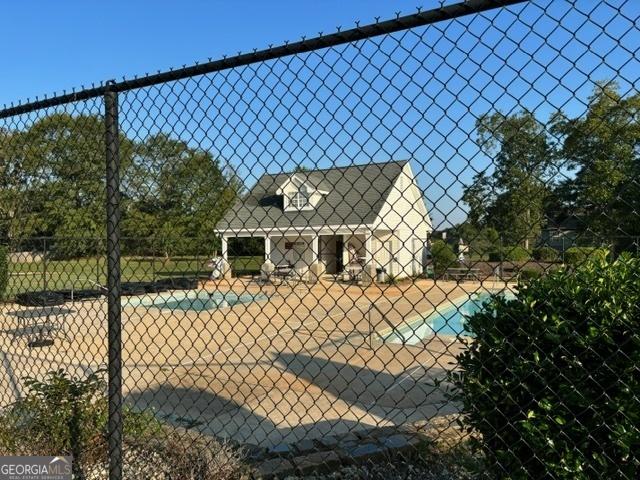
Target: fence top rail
pixel 418 19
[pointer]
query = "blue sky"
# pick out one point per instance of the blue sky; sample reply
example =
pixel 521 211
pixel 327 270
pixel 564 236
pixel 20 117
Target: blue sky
pixel 65 43
pixel 351 104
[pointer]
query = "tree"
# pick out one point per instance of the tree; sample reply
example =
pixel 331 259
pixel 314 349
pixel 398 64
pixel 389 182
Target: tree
pixel 443 257
pixel 511 199
pixel 480 240
pixel 65 163
pixel 52 184
pixel 478 196
pixel 16 175
pixel 176 194
pixel 602 148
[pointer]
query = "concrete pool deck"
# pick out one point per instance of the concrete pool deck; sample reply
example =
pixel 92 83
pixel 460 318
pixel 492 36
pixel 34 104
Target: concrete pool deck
pixel 299 365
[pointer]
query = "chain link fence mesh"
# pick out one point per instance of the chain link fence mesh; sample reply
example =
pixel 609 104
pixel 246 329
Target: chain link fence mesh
pixel 276 272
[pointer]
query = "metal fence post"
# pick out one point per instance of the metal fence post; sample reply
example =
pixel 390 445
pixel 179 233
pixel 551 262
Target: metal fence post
pixel 113 283
pixel 45 280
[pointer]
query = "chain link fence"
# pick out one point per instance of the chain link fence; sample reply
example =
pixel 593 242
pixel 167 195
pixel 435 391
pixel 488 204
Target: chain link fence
pixel 402 250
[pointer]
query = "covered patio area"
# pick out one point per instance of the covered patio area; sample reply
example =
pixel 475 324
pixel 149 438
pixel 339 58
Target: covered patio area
pixel 311 253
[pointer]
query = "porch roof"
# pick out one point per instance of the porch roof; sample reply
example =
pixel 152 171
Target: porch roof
pixel 355 196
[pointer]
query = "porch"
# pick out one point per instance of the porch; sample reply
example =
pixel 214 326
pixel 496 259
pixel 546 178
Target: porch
pixel 312 253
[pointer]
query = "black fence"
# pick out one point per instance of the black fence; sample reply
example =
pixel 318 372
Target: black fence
pixel 406 249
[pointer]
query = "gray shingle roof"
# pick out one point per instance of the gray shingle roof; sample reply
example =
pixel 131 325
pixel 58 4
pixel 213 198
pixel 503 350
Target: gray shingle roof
pixel 356 195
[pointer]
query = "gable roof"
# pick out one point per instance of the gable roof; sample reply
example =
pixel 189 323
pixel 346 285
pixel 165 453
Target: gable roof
pixel 355 196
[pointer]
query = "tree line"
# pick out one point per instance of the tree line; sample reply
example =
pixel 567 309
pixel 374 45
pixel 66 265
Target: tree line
pixel 52 184
pixel 584 168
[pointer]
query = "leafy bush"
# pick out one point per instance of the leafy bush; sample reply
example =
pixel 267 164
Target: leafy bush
pixel 443 257
pixel 66 415
pixel 579 255
pixel 546 254
pixel 63 415
pixel 514 253
pixel 529 273
pixel 391 279
pixel 550 379
pixel 4 271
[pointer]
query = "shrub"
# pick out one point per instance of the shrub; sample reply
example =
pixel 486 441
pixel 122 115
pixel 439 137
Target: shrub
pixel 578 255
pixel 391 279
pixel 443 257
pixel 63 415
pixel 528 273
pixel 550 380
pixel 4 271
pixel 514 253
pixel 546 254
pixel 66 415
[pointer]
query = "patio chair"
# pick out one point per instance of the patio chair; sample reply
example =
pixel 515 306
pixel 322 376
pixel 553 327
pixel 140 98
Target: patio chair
pixel 296 275
pixel 281 272
pixel 217 267
pixel 353 272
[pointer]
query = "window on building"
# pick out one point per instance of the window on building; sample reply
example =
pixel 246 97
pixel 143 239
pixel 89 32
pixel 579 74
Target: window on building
pixel 299 200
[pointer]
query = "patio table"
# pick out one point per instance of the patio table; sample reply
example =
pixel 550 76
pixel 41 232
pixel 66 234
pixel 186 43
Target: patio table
pixel 282 272
pixel 462 273
pixel 40 321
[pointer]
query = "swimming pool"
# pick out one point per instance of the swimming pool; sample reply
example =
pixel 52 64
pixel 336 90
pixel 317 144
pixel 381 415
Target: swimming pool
pixel 199 301
pixel 447 319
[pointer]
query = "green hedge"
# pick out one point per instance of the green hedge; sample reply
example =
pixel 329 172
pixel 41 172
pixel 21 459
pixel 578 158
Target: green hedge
pixel 514 253
pixel 4 270
pixel 546 254
pixel 578 255
pixel 443 257
pixel 550 381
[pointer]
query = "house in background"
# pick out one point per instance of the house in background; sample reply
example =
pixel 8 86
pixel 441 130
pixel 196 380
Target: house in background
pixel 321 221
pixel 562 233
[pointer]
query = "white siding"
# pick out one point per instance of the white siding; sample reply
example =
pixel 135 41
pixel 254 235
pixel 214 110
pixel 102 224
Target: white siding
pixel 301 250
pixel 403 219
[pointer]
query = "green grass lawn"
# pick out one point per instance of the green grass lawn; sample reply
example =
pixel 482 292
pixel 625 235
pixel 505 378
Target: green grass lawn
pixel 85 272
pixel 247 264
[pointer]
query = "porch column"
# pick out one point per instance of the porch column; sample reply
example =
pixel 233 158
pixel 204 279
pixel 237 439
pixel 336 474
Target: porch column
pixel 345 250
pixel 368 247
pixel 224 251
pixel 267 248
pixel 315 241
pixel 369 271
pixel 317 268
pixel 223 247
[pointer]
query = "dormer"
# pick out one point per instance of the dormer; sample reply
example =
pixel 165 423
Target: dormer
pixel 299 194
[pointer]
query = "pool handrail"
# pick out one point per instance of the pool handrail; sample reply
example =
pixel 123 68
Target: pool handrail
pixel 384 318
pixel 92 282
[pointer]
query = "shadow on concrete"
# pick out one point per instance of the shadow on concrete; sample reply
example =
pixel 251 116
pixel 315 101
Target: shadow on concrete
pixel 364 387
pixel 340 398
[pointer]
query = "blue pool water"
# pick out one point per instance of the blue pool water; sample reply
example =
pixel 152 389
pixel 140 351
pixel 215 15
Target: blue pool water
pixel 448 319
pixel 192 301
